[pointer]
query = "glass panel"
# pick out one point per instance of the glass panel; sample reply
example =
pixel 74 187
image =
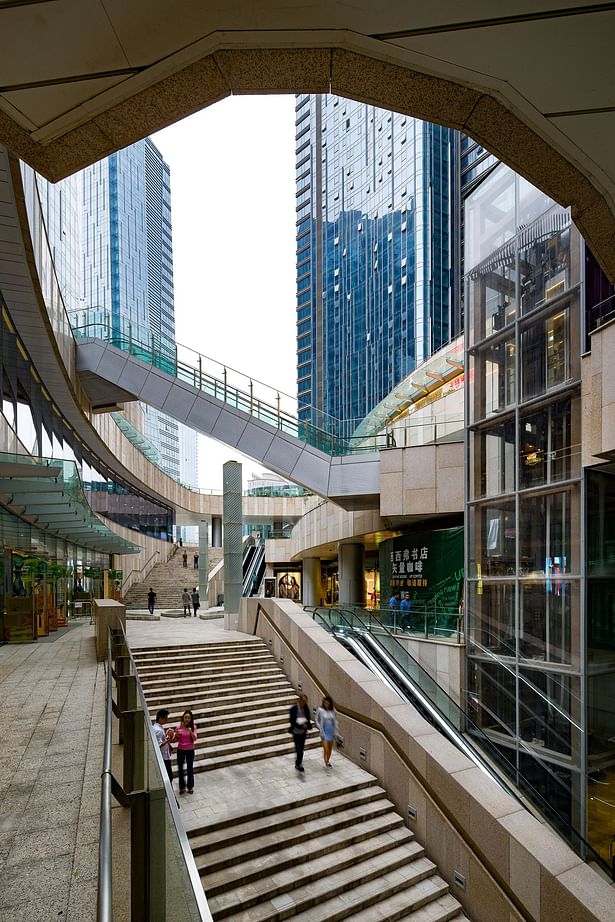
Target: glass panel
pixel 546 632
pixel 494 379
pixel 546 701
pixel 492 694
pixel 493 470
pixel 492 295
pixel 544 268
pixel 545 534
pixel 490 614
pixel 493 535
pixel 548 450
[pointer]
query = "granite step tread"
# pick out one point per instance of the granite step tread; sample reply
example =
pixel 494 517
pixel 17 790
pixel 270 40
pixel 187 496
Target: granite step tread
pixel 210 729
pixel 245 755
pixel 225 721
pixel 324 842
pixel 310 883
pixel 271 680
pixel 183 672
pixel 205 662
pixel 225 701
pixel 277 807
pixel 232 711
pixel 187 651
pixel 428 900
pixel 237 744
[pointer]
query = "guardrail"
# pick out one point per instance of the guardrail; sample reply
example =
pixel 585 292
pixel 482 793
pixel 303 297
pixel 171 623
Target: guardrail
pixel 165 885
pixel 428 622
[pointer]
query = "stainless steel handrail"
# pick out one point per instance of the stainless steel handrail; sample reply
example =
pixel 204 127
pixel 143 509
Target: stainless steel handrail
pixel 105 844
pixel 193 874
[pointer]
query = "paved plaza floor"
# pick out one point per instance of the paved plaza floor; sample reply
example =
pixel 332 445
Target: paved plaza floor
pixel 52 694
pixel 50 762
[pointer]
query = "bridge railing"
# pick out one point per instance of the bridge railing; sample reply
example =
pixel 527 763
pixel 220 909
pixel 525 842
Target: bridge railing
pixel 251 396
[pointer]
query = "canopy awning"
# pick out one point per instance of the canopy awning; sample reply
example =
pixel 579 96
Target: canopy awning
pixel 48 494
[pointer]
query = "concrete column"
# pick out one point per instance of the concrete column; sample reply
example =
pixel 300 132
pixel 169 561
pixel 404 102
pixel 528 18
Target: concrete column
pixel 351 560
pixel 232 522
pixel 204 564
pixel 311 583
pixel 216 531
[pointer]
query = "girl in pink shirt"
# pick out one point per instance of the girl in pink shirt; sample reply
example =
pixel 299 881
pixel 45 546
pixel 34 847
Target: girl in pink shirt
pixel 185 737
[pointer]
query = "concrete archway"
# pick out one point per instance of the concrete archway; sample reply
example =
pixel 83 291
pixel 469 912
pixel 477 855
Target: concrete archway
pixel 92 86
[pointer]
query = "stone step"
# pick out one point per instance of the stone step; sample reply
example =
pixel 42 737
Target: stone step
pixel 209 658
pixel 425 901
pixel 219 689
pixel 219 718
pixel 226 703
pixel 330 843
pixel 237 745
pixel 252 665
pixel 249 755
pixel 235 828
pixel 190 649
pixel 148 654
pixel 246 733
pixel 238 679
pixel 308 883
pixel 220 721
pixel 277 850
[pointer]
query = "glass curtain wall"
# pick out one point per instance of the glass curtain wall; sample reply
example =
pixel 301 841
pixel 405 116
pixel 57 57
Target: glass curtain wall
pixel 524 567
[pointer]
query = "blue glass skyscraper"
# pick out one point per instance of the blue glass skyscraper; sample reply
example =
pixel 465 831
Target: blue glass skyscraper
pixel 128 266
pixel 373 253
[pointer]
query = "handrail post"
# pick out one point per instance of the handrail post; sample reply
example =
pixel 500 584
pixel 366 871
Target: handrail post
pixel 279 419
pixel 251 395
pixel 134 750
pixel 224 375
pixel 200 372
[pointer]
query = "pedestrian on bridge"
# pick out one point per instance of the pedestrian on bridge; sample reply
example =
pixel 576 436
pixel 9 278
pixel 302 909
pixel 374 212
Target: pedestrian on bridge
pixel 185 559
pixel 196 561
pixel 187 603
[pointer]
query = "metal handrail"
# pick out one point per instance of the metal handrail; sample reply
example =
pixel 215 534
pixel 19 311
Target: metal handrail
pixel 105 843
pixel 188 857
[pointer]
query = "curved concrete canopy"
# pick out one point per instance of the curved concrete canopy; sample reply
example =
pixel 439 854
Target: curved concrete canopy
pixel 531 81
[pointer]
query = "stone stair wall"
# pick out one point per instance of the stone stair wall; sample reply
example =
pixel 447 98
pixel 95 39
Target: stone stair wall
pixel 169 579
pixel 341 853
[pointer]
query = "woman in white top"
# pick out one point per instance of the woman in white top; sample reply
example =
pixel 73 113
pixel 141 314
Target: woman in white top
pixel 326 721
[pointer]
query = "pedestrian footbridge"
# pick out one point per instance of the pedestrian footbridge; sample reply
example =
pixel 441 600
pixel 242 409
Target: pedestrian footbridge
pixel 115 367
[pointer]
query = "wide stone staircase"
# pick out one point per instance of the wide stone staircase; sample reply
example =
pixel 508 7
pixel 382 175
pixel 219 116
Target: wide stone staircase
pixel 239 696
pixel 169 579
pixel 271 844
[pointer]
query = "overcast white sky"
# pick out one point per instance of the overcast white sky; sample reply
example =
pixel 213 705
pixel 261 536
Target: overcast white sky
pixel 233 208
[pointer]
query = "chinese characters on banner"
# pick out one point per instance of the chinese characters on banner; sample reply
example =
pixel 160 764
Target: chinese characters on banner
pixel 408 568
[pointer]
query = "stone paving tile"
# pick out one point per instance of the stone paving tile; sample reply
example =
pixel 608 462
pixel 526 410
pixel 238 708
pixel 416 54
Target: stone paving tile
pixel 31 846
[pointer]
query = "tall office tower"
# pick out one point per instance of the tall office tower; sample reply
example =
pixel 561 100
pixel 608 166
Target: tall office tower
pixel 373 253
pixel 128 268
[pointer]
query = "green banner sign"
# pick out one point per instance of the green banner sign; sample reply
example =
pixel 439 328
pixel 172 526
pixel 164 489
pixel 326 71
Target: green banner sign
pixel 427 564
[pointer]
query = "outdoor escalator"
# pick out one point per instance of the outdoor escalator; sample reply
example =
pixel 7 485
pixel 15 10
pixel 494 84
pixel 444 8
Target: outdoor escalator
pixel 374 643
pixel 253 567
